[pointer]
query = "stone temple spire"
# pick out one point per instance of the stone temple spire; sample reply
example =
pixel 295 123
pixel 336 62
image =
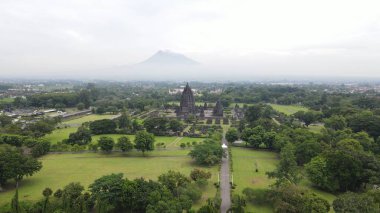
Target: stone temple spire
pixel 218 109
pixel 187 104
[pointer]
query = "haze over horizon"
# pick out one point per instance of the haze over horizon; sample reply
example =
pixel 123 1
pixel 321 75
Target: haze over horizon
pixel 232 40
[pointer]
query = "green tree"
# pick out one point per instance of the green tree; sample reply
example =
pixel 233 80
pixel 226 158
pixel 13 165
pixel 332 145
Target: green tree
pixel 40 128
pixel 255 141
pixel 336 122
pixel 232 135
pixel 42 147
pixel 5 120
pixel 207 153
pixel 198 174
pixel 156 125
pixel 124 144
pixel 290 198
pixel 269 139
pixel 104 126
pixel 175 125
pixel 308 117
pixel 124 121
pixel 238 204
pixel 81 137
pixel 85 98
pixel 80 106
pixel 109 189
pixel 14 165
pixel 246 133
pixel 211 207
pixel 70 195
pixel 307 150
pixel 286 171
pixel 317 172
pixel 144 141
pixel 173 181
pixel 106 143
pixel 136 125
pixel 47 192
pixel 353 202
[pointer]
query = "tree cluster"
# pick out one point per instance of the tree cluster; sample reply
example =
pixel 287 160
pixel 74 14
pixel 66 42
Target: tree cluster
pixel 173 192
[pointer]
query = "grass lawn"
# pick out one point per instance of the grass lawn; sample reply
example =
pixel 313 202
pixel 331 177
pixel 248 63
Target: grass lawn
pixel 288 109
pixel 59 134
pixel 316 128
pixel 60 169
pixel 6 100
pixel 63 133
pixel 244 174
pixel 87 118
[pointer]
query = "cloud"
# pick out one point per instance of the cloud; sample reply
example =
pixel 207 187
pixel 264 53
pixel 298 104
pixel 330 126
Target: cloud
pixel 44 37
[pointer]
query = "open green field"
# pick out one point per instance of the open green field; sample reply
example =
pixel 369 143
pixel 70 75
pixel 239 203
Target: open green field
pixel 59 134
pixel 61 169
pixel 244 174
pixel 288 109
pixel 316 128
pixel 6 100
pixel 86 118
pixel 63 133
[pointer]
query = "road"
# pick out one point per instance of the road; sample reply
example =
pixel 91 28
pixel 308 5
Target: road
pixel 225 187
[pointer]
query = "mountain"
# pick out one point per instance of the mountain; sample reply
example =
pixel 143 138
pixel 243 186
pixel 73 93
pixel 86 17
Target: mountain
pixel 162 66
pixel 168 58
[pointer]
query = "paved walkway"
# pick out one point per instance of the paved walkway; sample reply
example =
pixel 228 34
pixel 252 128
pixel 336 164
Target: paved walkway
pixel 225 187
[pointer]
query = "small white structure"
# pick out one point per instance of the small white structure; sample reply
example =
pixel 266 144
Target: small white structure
pixel 224 146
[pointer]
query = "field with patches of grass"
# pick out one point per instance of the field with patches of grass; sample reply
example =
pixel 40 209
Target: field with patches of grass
pixel 61 169
pixel 288 109
pixel 244 174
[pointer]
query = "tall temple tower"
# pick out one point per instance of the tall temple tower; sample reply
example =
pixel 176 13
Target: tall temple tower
pixel 218 109
pixel 187 104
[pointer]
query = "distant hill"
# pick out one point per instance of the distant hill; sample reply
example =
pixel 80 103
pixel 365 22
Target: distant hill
pixel 168 58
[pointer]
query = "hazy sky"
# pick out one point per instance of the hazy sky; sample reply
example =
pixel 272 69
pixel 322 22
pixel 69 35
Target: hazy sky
pixel 264 37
